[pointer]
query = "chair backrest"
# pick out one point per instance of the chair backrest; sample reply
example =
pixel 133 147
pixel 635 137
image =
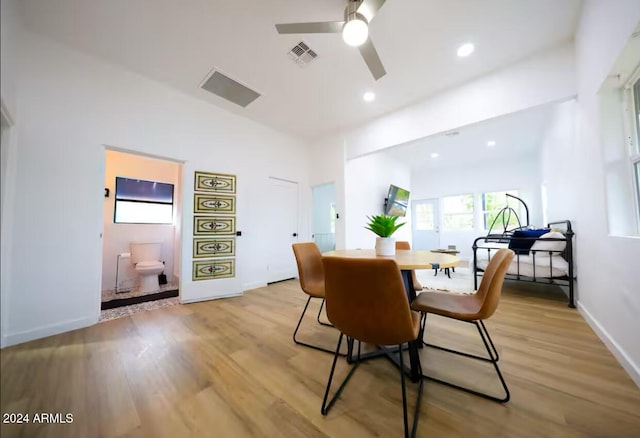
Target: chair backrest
pixel 310 270
pixel 491 286
pixel 366 300
pixel 402 244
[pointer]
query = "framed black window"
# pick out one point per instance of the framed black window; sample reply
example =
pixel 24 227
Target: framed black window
pixel 143 202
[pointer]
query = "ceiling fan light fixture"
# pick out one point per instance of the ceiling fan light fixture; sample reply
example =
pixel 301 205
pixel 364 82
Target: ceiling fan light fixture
pixel 356 30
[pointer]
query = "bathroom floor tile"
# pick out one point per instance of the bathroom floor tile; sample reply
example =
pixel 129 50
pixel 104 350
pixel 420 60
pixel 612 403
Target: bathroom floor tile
pixel 108 295
pixel 119 312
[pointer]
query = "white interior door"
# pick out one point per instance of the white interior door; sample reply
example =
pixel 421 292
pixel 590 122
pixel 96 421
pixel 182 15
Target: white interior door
pixel 426 224
pixel 282 228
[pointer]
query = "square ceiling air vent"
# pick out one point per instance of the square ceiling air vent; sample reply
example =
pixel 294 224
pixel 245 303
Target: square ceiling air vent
pixel 301 54
pixel 227 88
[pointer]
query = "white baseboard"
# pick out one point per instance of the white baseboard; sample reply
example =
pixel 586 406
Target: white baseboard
pixel 47 330
pixel 253 285
pixel 623 358
pixel 197 300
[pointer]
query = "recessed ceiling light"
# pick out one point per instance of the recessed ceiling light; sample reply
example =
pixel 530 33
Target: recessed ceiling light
pixel 369 96
pixel 491 143
pixel 465 50
pixel 435 155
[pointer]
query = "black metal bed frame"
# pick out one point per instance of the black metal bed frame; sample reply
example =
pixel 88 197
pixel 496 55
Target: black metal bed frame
pixel 507 236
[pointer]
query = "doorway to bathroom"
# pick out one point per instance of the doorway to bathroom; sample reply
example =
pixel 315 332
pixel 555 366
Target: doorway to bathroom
pixel 141 235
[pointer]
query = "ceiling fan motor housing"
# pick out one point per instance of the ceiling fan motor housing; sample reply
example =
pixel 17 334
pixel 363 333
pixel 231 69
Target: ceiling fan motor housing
pixel 351 12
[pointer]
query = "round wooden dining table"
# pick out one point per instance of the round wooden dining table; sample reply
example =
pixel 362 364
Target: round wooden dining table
pixel 407 260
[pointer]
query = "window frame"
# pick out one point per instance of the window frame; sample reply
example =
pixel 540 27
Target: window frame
pixel 139 201
pixel 632 133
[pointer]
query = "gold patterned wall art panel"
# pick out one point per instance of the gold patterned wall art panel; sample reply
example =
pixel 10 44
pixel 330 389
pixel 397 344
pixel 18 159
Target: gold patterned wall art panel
pixel 213 204
pixel 214 225
pixel 212 269
pixel 214 247
pixel 214 182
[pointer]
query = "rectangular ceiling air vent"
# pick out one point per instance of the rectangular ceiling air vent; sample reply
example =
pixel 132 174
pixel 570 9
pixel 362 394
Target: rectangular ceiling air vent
pixel 301 54
pixel 227 88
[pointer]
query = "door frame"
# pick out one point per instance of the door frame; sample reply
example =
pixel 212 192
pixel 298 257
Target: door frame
pixel 179 215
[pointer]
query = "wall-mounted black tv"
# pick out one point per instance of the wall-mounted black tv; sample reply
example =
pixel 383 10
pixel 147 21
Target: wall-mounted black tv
pixel 397 201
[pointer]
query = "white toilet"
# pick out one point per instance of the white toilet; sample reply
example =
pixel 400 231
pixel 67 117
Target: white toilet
pixel 146 258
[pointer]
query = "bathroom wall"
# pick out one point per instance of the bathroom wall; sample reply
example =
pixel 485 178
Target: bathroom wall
pixel 116 237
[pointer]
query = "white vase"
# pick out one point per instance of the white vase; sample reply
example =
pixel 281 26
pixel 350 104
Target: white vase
pixel 385 246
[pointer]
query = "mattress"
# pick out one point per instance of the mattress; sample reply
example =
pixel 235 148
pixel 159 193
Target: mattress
pixel 545 266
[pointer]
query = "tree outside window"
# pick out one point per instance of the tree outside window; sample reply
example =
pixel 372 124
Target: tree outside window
pixel 493 203
pixel 457 212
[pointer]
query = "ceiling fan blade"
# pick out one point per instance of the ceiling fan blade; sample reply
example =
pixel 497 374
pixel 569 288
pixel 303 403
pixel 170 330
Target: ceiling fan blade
pixel 372 59
pixel 321 27
pixel 369 8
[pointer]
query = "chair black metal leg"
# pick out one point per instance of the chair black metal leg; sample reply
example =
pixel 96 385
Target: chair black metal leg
pixel 325 407
pixel 493 358
pixel 315 347
pixel 404 399
pixel 319 312
pixel 495 365
pixel 423 323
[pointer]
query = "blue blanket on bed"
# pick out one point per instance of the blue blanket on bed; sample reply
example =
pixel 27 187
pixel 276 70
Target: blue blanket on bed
pixel 522 240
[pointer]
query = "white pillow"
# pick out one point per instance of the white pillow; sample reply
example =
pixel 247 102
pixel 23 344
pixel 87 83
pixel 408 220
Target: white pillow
pixel 554 245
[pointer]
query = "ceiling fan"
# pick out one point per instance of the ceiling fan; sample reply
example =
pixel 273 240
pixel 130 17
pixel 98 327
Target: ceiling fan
pixel 354 29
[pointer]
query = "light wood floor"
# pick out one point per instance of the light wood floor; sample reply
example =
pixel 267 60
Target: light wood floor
pixel 228 368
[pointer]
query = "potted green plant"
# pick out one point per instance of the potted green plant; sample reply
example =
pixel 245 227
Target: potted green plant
pixel 384 226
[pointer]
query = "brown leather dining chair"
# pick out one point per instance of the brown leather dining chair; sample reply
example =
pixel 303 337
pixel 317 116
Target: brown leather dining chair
pixel 311 274
pixel 472 309
pixel 404 245
pixel 366 300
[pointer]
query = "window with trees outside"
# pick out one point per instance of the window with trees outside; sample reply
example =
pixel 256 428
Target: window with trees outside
pixel 493 202
pixel 457 212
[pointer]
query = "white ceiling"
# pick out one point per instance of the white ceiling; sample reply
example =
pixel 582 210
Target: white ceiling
pixel 516 136
pixel 180 42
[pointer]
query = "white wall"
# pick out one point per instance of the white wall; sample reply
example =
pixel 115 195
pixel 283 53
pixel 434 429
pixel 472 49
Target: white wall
pixel 557 152
pixel 367 185
pixel 70 106
pixel 9 46
pixel 608 278
pixel 522 174
pixel 117 237
pixel 541 79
